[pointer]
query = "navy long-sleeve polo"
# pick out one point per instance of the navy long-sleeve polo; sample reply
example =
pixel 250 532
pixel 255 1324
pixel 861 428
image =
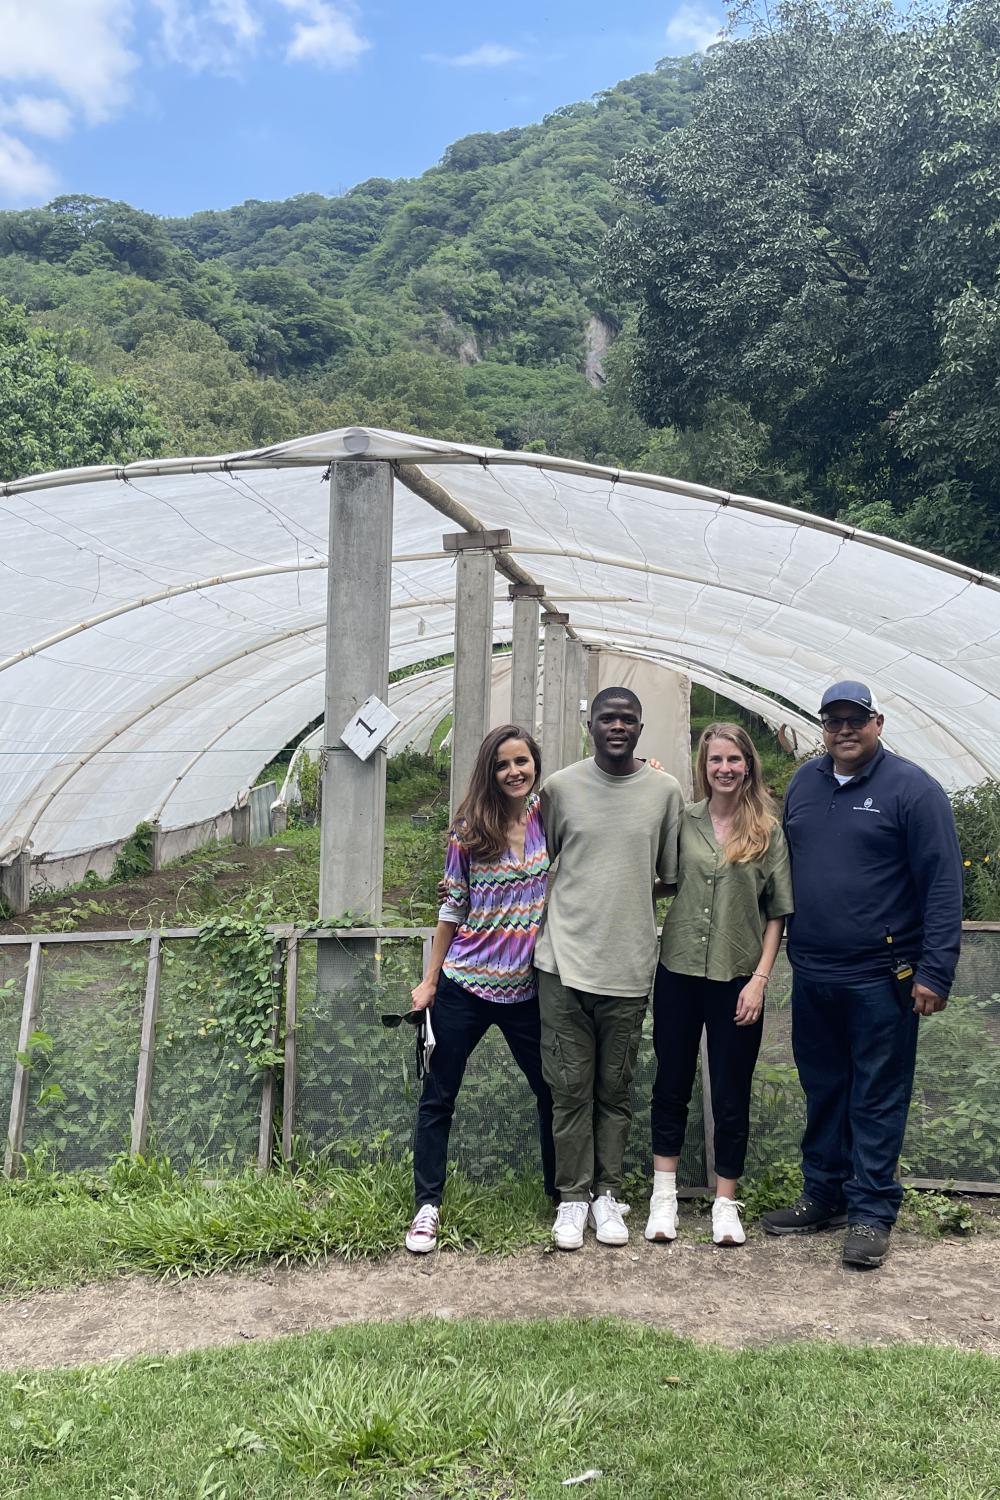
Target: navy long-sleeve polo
pixel 877 856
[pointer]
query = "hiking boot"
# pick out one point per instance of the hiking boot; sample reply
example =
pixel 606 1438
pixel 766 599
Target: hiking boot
pixel 571 1220
pixel 608 1223
pixel 422 1235
pixel 805 1216
pixel 662 1221
pixel 866 1245
pixel 726 1226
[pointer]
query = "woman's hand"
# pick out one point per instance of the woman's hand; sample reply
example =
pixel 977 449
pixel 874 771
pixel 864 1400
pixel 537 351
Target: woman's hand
pixel 422 995
pixel 442 890
pixel 750 1003
pixel 654 764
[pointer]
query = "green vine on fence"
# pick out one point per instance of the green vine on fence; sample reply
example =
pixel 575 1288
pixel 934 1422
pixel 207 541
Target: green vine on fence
pixel 235 986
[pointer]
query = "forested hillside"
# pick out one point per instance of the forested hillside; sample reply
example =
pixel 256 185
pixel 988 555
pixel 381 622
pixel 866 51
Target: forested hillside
pixel 775 268
pixel 462 303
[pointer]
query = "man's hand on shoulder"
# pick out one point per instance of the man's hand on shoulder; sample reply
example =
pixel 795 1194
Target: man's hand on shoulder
pixel 926 1002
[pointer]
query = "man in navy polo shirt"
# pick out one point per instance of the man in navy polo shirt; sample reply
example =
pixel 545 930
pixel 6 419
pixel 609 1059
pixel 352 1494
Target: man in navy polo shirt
pixel 877 882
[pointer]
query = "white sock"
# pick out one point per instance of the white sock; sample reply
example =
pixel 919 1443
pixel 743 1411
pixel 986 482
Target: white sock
pixel 663 1183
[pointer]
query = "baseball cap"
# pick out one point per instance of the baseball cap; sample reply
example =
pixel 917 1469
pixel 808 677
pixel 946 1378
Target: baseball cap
pixel 850 692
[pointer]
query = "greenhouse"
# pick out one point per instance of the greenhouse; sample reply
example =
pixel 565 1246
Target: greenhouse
pixel 168 627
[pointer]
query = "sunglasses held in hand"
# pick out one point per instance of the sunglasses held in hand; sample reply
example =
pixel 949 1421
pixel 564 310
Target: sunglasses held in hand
pixel 425 1040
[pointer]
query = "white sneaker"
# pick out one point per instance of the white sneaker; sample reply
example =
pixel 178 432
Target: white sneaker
pixel 662 1221
pixel 571 1220
pixel 422 1234
pixel 726 1226
pixel 606 1218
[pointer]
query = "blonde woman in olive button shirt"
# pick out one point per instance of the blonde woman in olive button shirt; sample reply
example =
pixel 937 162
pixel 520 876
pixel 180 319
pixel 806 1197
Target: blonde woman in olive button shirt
pixel 720 940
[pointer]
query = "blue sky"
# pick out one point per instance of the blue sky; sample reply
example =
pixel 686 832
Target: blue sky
pixel 176 105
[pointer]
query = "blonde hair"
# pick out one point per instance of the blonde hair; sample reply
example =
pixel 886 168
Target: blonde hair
pixel 756 812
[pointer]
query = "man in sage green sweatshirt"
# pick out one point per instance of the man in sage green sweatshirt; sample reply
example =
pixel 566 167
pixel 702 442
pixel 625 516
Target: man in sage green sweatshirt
pixel 612 823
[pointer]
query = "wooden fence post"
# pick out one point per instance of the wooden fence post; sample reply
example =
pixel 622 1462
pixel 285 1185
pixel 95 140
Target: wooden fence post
pixel 22 1070
pixel 291 1031
pixel 265 1138
pixel 147 1046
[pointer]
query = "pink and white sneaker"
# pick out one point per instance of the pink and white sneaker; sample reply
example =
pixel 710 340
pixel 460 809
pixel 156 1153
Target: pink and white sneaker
pixel 422 1235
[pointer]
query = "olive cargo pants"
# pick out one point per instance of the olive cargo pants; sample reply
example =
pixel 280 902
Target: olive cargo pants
pixel 589 1047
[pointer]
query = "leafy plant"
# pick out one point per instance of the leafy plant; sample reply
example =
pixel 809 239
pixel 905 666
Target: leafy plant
pixel 135 857
pixel 936 1214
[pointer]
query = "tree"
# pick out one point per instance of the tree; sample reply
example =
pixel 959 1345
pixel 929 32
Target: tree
pixel 808 242
pixel 53 412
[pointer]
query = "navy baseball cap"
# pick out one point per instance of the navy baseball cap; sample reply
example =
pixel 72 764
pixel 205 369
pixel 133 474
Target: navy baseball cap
pixel 850 692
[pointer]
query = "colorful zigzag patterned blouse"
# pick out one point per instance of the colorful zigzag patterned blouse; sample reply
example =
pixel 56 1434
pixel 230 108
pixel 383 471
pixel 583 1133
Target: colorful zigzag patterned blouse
pixel 498 905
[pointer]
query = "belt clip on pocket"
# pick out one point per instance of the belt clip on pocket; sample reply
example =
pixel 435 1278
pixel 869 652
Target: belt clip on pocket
pixel 902 969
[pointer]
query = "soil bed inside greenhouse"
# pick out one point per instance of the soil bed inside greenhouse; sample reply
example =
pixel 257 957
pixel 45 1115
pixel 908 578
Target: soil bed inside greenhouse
pixel 941 1292
pixel 152 898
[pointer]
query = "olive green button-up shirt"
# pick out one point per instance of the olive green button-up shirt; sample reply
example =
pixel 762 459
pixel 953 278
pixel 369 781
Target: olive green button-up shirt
pixel 715 926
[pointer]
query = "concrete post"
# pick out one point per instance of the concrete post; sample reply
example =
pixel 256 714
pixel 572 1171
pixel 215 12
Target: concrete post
pixel 15 883
pixel 524 655
pixel 574 692
pixel 357 666
pixel 476 572
pixel 554 692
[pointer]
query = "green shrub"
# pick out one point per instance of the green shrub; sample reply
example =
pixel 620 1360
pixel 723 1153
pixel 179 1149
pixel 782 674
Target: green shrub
pixel 977 818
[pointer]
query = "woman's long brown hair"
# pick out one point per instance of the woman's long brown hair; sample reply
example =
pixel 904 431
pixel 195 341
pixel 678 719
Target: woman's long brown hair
pixel 756 812
pixel 482 819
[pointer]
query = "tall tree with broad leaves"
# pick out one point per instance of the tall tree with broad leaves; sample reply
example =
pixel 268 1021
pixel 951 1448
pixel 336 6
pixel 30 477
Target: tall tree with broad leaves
pixel 55 414
pixel 821 242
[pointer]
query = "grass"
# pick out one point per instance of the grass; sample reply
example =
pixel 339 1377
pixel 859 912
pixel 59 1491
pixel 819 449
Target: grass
pixel 507 1410
pixel 65 1229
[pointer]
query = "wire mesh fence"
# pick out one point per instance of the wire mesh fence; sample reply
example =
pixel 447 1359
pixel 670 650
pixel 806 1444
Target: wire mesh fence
pixel 205 1102
pixel 84 1053
pixel 350 1085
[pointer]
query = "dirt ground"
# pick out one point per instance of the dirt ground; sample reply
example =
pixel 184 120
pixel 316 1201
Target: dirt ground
pixel 145 902
pixel 941 1292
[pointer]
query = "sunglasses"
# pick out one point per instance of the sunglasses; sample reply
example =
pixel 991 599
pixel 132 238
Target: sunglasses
pixel 833 722
pixel 417 1019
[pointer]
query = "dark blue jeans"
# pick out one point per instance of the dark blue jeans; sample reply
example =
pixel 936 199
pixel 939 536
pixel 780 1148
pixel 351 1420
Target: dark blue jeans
pixel 461 1020
pixel 855 1046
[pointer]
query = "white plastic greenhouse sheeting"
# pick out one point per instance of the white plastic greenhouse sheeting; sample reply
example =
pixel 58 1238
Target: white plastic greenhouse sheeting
pixel 161 626
pixel 423 701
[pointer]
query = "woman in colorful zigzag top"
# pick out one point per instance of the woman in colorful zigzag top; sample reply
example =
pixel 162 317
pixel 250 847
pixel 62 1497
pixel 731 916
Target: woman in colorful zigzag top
pixel 480 973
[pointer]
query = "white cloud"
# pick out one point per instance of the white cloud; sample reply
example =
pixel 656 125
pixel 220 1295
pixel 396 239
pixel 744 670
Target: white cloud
pixel 207 35
pixel 693 29
pixel 78 48
pixel 22 175
pixel 489 55
pixel 47 117
pixel 326 36
pixel 76 54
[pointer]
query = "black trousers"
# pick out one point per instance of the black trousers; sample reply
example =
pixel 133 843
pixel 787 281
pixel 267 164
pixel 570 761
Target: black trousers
pixel 682 1005
pixel 461 1020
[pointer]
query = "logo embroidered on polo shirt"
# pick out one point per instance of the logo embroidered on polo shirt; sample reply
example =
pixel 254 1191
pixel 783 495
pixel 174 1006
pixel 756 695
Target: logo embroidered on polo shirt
pixel 866 806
